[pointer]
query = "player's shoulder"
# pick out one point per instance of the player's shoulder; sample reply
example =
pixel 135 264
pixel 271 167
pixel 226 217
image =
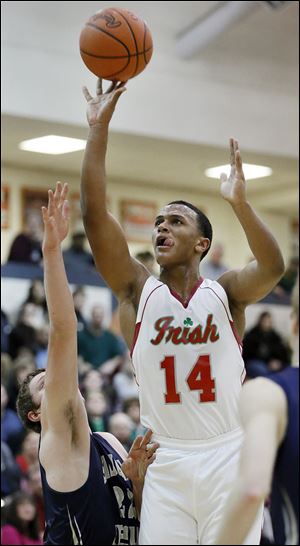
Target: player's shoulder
pixel 113 442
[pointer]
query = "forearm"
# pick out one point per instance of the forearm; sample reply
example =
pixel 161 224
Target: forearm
pixel 137 494
pixel 239 516
pixel 93 187
pixel 59 299
pixel 261 242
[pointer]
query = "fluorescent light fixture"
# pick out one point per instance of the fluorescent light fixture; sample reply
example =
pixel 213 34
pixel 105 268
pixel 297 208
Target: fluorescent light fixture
pixel 53 144
pixel 250 171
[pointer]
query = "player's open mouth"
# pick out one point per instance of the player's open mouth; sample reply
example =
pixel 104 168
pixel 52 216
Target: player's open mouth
pixel 163 241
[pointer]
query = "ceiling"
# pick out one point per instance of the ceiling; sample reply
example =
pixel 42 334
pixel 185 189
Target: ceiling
pixel 179 114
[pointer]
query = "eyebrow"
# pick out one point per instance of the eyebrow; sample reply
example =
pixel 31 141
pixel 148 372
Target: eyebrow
pixel 170 215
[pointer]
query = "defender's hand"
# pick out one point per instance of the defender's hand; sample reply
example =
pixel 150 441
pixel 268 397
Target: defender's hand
pixel 140 456
pixel 101 108
pixel 233 189
pixel 56 217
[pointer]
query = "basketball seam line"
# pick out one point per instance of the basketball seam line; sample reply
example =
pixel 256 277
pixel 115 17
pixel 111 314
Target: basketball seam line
pixel 133 35
pixel 108 34
pixel 117 56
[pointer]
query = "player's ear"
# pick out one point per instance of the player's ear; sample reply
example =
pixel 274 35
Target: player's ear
pixel 34 415
pixel 202 245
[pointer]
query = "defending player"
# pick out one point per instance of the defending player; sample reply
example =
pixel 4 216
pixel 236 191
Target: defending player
pixel 270 453
pixel 184 334
pixel 88 498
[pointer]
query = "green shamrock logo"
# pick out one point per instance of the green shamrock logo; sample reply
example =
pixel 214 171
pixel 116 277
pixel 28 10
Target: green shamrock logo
pixel 188 322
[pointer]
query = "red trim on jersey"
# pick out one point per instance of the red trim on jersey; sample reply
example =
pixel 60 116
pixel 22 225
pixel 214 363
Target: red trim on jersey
pixel 139 324
pixel 194 290
pixel 233 328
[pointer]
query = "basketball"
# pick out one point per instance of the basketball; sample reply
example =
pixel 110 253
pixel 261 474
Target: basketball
pixel 116 44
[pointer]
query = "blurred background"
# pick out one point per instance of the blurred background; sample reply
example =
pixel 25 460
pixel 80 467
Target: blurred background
pixel 219 69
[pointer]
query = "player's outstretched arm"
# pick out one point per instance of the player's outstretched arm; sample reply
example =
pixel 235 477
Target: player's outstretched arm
pixel 61 378
pixel 257 279
pixel 263 410
pixel 107 240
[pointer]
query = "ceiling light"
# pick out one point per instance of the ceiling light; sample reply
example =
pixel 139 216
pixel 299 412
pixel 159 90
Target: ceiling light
pixel 53 144
pixel 250 171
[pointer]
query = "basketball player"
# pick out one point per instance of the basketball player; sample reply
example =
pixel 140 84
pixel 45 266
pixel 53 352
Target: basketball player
pixel 184 334
pixel 88 496
pixel 270 416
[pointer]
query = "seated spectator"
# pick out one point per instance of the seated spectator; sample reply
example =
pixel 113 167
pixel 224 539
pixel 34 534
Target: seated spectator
pixel 36 295
pixel 121 426
pixel 97 411
pixel 24 333
pixel 147 259
pixel 26 247
pixel 286 284
pixel 20 521
pixel 34 488
pixel 28 455
pixel 10 472
pixel 42 337
pixel 12 430
pixel 213 267
pixel 264 351
pixel 79 301
pixel 99 346
pixel 22 366
pixel 5 332
pixel 124 382
pixel 76 254
pixel 131 407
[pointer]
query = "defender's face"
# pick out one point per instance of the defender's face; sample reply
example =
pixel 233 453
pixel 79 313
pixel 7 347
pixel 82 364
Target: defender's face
pixel 175 235
pixel 37 388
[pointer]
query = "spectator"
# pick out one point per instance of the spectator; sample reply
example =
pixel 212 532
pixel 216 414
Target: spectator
pixel 263 349
pixel 12 430
pixel 36 295
pixel 131 407
pixel 21 522
pixel 34 488
pixel 26 247
pixel 121 426
pixel 41 355
pixel 97 411
pixel 124 382
pixel 147 259
pixel 29 452
pixel 10 472
pixel 22 366
pixel 99 346
pixel 76 254
pixel 79 300
pixel 24 333
pixel 5 332
pixel 213 266
pixel 286 284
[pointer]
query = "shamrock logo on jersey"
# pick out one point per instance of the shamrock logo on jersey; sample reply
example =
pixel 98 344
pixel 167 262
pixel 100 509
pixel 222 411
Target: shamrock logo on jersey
pixel 188 322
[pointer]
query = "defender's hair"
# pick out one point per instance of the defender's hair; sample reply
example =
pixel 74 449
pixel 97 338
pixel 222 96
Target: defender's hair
pixel 25 403
pixel 204 225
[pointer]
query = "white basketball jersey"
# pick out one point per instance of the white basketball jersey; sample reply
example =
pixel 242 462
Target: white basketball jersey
pixel 187 361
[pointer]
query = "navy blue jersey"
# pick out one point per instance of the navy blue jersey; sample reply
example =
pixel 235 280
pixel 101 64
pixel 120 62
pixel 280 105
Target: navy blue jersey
pixel 285 487
pixel 101 511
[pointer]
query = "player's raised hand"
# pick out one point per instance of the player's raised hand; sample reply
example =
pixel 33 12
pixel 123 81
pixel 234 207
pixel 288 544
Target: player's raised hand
pixel 101 107
pixel 140 456
pixel 56 217
pixel 233 188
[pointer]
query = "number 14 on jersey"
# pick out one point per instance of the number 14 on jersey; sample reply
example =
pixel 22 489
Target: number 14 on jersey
pixel 199 379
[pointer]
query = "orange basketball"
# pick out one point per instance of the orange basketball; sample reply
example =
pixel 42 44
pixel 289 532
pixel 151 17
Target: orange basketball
pixel 115 44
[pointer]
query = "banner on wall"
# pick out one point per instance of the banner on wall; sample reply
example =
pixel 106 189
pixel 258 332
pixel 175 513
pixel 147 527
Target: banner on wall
pixel 138 220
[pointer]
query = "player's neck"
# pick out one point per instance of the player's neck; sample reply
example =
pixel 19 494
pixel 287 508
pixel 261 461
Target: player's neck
pixel 180 280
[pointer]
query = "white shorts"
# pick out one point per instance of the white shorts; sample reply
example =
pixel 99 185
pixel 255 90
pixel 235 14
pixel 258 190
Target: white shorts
pixel 186 489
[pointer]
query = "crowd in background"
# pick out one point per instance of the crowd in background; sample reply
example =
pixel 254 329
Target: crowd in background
pixel 106 381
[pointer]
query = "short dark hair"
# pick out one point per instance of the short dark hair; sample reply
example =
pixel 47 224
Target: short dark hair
pixel 25 403
pixel 204 225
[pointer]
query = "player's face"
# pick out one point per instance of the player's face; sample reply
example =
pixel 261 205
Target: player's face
pixel 176 236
